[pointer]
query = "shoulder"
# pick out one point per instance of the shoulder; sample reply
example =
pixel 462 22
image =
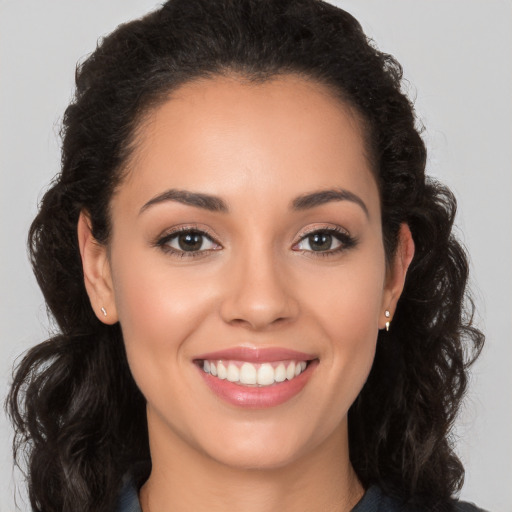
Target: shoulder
pixel 128 500
pixel 374 500
pixel 462 506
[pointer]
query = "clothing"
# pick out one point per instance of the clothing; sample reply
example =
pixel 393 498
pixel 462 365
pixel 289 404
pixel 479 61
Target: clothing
pixel 128 498
pixel 372 501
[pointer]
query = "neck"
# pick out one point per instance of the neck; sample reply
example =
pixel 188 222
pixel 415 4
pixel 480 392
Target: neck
pixel 184 479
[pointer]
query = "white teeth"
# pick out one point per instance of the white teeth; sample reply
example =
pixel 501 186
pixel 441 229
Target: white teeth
pixel 280 373
pixel 261 374
pixel 265 375
pixel 222 373
pixel 248 374
pixel 233 373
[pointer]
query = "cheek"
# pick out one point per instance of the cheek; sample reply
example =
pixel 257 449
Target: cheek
pixel 356 323
pixel 346 312
pixel 158 308
pixel 348 300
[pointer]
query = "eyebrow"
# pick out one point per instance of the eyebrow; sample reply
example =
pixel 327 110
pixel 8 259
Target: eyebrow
pixel 321 197
pixel 205 201
pixel 215 204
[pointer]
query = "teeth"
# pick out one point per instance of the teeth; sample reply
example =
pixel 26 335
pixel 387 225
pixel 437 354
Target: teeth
pixel 262 374
pixel 222 373
pixel 248 374
pixel 233 373
pixel 280 373
pixel 265 375
pixel 290 371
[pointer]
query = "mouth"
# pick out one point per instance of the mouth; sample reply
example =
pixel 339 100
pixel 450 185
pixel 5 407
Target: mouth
pixel 256 378
pixel 246 373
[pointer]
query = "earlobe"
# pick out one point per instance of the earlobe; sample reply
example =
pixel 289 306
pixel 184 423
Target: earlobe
pixel 397 273
pixel 97 275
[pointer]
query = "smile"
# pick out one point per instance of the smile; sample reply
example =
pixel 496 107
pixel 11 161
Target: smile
pixel 254 374
pixel 256 378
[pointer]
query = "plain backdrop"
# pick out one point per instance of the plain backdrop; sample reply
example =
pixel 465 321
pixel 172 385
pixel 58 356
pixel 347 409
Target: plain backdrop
pixel 456 56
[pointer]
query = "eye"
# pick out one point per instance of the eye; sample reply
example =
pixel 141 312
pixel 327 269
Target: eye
pixel 191 241
pixel 325 241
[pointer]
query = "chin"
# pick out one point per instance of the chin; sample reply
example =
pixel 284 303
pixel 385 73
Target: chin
pixel 261 447
pixel 256 459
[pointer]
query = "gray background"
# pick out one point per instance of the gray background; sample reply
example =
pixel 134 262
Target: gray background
pixel 457 57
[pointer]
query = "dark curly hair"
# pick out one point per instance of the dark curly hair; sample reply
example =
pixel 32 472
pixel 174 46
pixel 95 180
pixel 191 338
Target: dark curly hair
pixel 79 416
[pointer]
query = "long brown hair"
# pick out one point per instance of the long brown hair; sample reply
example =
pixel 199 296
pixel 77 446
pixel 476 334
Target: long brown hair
pixel 79 417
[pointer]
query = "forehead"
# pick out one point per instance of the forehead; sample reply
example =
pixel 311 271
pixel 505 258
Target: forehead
pixel 225 135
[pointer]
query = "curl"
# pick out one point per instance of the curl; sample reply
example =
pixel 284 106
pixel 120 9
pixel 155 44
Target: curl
pixel 79 417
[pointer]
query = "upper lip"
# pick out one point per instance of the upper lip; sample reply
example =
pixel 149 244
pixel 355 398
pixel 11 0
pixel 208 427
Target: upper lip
pixel 256 355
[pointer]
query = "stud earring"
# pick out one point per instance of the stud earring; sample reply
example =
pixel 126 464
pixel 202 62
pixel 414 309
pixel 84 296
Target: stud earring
pixel 387 314
pixel 104 311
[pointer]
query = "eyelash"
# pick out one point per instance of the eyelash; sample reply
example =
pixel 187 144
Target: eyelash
pixel 164 241
pixel 346 242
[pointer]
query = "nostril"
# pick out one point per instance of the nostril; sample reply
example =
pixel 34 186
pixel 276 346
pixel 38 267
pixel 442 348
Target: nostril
pixel 258 323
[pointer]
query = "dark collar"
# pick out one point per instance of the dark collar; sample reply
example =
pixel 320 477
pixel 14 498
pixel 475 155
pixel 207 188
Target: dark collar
pixel 373 500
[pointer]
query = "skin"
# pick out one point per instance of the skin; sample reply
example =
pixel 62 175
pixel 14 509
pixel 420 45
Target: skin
pixel 257 147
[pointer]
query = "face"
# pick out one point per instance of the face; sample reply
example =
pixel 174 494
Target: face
pixel 246 268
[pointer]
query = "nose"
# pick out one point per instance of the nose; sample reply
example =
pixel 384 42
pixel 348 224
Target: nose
pixel 259 295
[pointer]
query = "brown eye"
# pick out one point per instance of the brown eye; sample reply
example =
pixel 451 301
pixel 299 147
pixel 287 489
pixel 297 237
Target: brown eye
pixel 319 241
pixel 188 241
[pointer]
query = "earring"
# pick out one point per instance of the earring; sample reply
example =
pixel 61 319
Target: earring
pixel 104 311
pixel 387 314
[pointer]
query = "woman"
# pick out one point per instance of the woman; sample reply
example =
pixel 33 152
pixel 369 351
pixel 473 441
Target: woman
pixel 260 300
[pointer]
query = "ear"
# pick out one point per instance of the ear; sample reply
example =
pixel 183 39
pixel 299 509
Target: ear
pixel 397 271
pixel 97 275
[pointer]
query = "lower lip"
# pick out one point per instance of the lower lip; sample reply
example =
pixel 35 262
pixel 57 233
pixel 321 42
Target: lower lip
pixel 258 397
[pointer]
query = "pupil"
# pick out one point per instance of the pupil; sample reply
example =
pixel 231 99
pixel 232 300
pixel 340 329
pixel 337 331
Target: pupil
pixel 320 241
pixel 190 241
